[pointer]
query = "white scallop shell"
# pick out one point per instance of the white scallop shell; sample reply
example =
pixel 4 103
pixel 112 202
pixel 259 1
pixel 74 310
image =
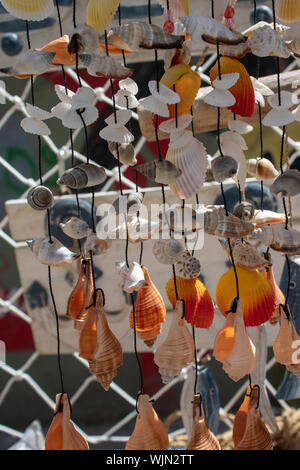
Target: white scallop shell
pixel 84 96
pixel 287 99
pixel 226 81
pixel 173 125
pixel 124 99
pixel 168 251
pixel 129 85
pixel 120 134
pixel 234 138
pixel 122 117
pixel 62 95
pixel 239 126
pixel 35 126
pixel 72 120
pixel 157 107
pixel 37 113
pixel 60 110
pixel 220 98
pixel 180 139
pixel 278 117
pixel 163 94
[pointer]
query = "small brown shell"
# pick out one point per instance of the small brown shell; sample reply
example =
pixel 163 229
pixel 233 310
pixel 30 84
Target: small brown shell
pixel 82 176
pixel 287 183
pixel 40 198
pixel 163 172
pixel 262 169
pixel 216 222
pixel 202 438
pixel 126 152
pixel 244 210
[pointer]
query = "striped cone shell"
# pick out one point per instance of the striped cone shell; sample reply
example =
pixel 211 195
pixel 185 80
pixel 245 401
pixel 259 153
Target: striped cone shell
pixel 150 312
pixel 202 438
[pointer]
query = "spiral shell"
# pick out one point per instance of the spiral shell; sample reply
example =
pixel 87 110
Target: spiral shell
pixel 216 222
pixel 132 278
pixel 126 153
pixel 83 39
pixel 104 66
pixel 51 253
pixel 163 172
pixel 277 237
pixel 202 438
pixel 244 210
pixel 208 29
pixel 168 251
pixel 40 198
pixel 262 168
pixel 188 266
pixel 75 304
pixel 279 296
pixel 223 167
pixel 266 42
pixel 284 341
pixel 83 176
pixel 287 183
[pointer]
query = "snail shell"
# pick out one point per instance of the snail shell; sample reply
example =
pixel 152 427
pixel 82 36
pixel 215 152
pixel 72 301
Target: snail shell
pixel 75 228
pixel 223 168
pixel 40 198
pixel 244 210
pixel 168 251
pixel 216 222
pixel 262 169
pixel 51 254
pixel 82 176
pixel 126 153
pixel 287 184
pixel 163 172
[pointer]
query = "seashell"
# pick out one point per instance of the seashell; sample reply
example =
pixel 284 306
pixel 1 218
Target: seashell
pixel 240 419
pixel 40 198
pixel 131 278
pixel 216 222
pixel 168 251
pixel 186 82
pixel 139 35
pixel 202 28
pixel 183 220
pixel 242 358
pixel 76 299
pixel 263 217
pixel 177 350
pixel 220 96
pixel 283 344
pixel 31 63
pixel 242 90
pixel 83 176
pixel 287 99
pixel 278 117
pixel 247 256
pixel 199 307
pixel 223 167
pixel 104 66
pixel 224 339
pixel 287 183
pixel 75 228
pixel 177 56
pixel 62 434
pixel 83 39
pixel 202 438
pixel 262 168
pixel 124 99
pixel 160 171
pixel 128 204
pixel 234 138
pixel 191 159
pixel 141 229
pixel 188 267
pixel 256 294
pixel 37 10
pixel 129 85
pixel 108 355
pixel 100 14
pixel 88 297
pixel 266 42
pixel 277 237
pixel 279 296
pixel 244 210
pixel 288 10
pixel 149 312
pixel 51 253
pixel 237 51
pixel 256 436
pixel 125 151
pixel 96 245
pixel 160 96
pixel 233 144
pixel 116 131
pixel 149 432
pixel 241 127
pixel 294 47
pixel 35 126
pixel 175 127
pixel 59 51
pixel 88 335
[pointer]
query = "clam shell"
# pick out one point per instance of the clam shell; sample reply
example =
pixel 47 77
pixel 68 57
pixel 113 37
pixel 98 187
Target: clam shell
pixel 240 127
pixel 51 254
pixel 278 117
pixel 131 278
pixel 75 228
pixel 82 176
pixel 125 151
pixel 202 438
pixel 188 266
pixel 287 100
pixel 155 106
pixel 168 251
pixel 40 198
pixel 220 98
pixel 177 350
pixel 35 126
pixel 223 167
pixel 129 85
pixel 226 81
pixel 120 134
pixel 172 126
pixel 37 10
pixel 100 14
pixel 163 93
pixel 287 183
pixel 216 222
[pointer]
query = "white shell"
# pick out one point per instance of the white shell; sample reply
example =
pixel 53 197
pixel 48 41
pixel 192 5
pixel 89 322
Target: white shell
pixel 62 95
pixel 220 98
pixel 163 94
pixel 196 26
pixel 155 106
pixel 233 144
pixel 75 228
pixel 51 254
pixel 96 245
pixel 129 85
pixel 71 120
pixel 84 96
pixel 287 99
pixel 188 266
pixel 37 113
pixel 122 117
pixel 124 99
pixel 35 126
pixel 131 278
pixel 168 251
pixel 238 126
pixel 265 42
pixel 120 134
pixel 170 126
pixel 261 87
pixel 278 117
pixel 226 81
pixel 234 138
pixel 60 110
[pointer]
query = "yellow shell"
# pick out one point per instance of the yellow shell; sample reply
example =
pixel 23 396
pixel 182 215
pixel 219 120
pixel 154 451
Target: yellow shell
pixel 34 10
pixel 100 13
pixel 288 10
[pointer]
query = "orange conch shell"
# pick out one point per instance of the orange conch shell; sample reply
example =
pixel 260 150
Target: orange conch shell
pixel 255 436
pixel 76 299
pixel 150 312
pixel 88 335
pixel 178 348
pixel 149 432
pixel 240 419
pixel 279 295
pixel 224 340
pixel 62 434
pixel 88 296
pixel 283 344
pixel 108 355
pixel 202 438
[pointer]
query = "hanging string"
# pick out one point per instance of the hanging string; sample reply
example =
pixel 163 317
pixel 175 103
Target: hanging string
pixel 221 152
pixel 49 229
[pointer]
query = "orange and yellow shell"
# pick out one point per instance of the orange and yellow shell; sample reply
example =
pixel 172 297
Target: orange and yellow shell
pixel 288 10
pixel 149 432
pixel 224 339
pixel 62 434
pixel 88 336
pixel 100 13
pixel 256 293
pixel 76 299
pixel 243 90
pixel 199 307
pixel 150 312
pixel 279 295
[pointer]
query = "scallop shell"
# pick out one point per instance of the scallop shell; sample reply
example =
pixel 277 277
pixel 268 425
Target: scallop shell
pixel 100 14
pixel 160 171
pixel 96 245
pixel 83 39
pixel 131 278
pixel 283 344
pixel 168 251
pixel 129 85
pixel 149 432
pixel 262 168
pixel 35 126
pixel 125 151
pixel 223 167
pixel 288 10
pixel 36 10
pixel 244 210
pixel 124 99
pixel 104 66
pixel 279 296
pixel 224 339
pixel 133 36
pixel 220 98
pixel 240 127
pixel 62 434
pixel 242 358
pixel 76 299
pixel 188 267
pixel 198 305
pixel 108 355
pixel 216 222
pixel 88 335
pixel 120 134
pixel 278 117
pixel 149 312
pixel 266 42
pixel 287 99
pixel 202 438
pixel 204 28
pixel 40 198
pixel 51 253
pixel 75 228
pixel 163 93
pixel 155 106
pixel 287 183
pixel 83 176
pixel 177 350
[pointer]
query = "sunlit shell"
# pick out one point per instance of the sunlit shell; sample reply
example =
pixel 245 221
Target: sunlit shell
pixel 124 99
pixel 62 434
pixel 262 168
pixel 288 10
pixel 100 13
pixel 224 339
pixel 256 293
pixel 75 228
pixel 243 90
pixel 202 438
pixel 88 335
pixel 177 350
pixel 204 28
pixel 35 10
pixel 246 256
pixel 129 85
pixel 88 297
pixel 31 63
pixel 168 251
pixel 82 176
pixel 266 42
pixel 188 267
pixel 59 51
pixel 198 305
pixel 76 299
pixel 149 312
pixel 164 171
pixel 279 296
pixel 264 217
pixel 277 237
pixel 149 432
pixel 51 253
pixel 104 66
pixel 131 278
pixel 284 341
pixel 216 222
pixel 223 167
pixel 287 183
